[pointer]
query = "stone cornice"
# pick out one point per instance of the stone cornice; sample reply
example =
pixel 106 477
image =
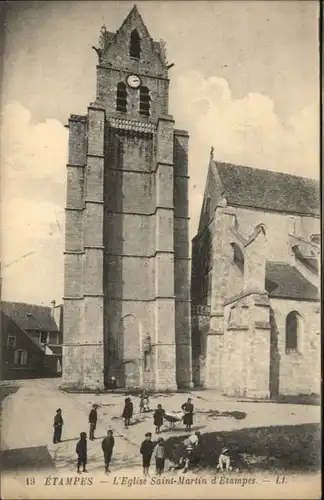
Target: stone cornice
pixel 78 297
pixel 246 293
pixel 262 325
pixel 75 165
pixel 94 295
pixel 78 118
pixel 238 327
pixel 182 133
pixel 126 72
pixel 149 214
pixel 215 332
pixel 130 125
pixel 94 247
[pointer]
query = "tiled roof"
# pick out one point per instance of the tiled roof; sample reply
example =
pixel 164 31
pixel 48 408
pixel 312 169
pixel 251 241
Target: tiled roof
pixel 285 281
pixel 264 189
pixel 30 316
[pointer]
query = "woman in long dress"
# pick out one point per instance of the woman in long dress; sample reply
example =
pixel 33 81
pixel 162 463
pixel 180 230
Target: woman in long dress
pixel 188 409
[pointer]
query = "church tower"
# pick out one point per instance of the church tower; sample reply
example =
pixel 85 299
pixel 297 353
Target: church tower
pixel 126 289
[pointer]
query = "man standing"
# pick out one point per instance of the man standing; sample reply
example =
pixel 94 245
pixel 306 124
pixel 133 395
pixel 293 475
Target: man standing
pixel 146 451
pixel 107 446
pixel 93 417
pixel 58 424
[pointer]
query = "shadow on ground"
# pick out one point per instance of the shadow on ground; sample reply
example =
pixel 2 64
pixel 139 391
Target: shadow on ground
pixel 31 459
pixel 215 414
pixel 299 399
pixel 6 390
pixel 287 448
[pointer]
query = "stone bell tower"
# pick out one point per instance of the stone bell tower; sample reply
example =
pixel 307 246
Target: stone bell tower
pixel 126 303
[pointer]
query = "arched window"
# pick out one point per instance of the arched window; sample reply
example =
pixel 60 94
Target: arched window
pixel 145 101
pixel 121 101
pixel 293 331
pixel 238 257
pixel 135 45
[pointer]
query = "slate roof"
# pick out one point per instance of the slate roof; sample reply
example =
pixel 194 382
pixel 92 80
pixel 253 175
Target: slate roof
pixel 30 316
pixel 285 281
pixel 264 189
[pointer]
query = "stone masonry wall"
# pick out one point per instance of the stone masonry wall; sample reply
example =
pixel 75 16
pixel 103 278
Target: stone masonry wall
pixel 246 358
pixel 181 261
pixel 278 226
pixel 298 372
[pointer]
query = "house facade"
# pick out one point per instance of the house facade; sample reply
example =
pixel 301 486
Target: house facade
pixel 255 283
pixel 126 288
pixel 31 340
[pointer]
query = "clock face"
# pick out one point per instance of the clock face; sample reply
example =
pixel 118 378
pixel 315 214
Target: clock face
pixel 133 81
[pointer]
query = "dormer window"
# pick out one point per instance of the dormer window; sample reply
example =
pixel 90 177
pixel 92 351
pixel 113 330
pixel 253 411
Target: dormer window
pixel 121 101
pixel 135 45
pixel 145 101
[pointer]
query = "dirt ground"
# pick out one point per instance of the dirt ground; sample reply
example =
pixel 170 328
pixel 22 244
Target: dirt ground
pixel 260 435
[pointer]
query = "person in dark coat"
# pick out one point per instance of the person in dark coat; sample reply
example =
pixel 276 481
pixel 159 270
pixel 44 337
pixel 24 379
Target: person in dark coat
pixel 158 418
pixel 128 412
pixel 93 417
pixel 81 450
pixel 146 451
pixel 58 424
pixel 188 409
pixel 159 456
pixel 107 446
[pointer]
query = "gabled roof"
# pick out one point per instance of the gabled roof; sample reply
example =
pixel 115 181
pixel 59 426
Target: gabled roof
pixel 11 328
pixel 30 316
pixel 285 281
pixel 268 190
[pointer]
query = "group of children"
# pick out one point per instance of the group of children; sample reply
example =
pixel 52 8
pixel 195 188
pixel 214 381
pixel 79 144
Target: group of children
pixel 149 450
pixel 159 414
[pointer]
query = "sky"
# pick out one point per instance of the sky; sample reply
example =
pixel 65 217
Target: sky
pixel 245 81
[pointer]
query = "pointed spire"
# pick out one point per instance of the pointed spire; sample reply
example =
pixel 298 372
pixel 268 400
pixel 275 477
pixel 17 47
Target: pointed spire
pixel 212 153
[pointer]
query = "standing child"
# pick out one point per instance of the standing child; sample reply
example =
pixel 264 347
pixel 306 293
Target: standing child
pixel 107 446
pixel 97 389
pixel 81 450
pixel 158 418
pixel 93 417
pixel 58 424
pixel 127 412
pixel 146 451
pixel 159 455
